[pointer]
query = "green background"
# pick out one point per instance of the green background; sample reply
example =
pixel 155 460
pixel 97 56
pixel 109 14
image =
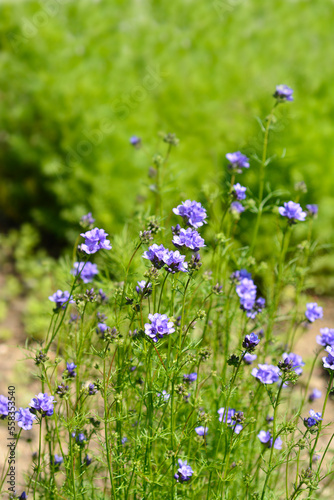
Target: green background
pixel 78 78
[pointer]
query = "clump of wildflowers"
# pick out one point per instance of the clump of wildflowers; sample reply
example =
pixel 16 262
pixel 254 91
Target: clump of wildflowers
pixel 201 430
pixel 315 394
pixel 238 161
pixel 61 298
pixel 86 271
pixel 184 472
pixel 95 240
pixel 25 418
pixel 144 288
pixel 250 342
pixel 159 327
pixel 43 404
pixel 87 221
pixel 70 370
pixel 239 192
pixel 189 238
pixel 192 212
pixel 232 418
pixel 313 420
pixel 267 374
pixel 249 358
pixel 237 207
pixel 266 438
pixel 283 93
pixel 313 312
pixel 312 210
pixel 328 361
pixel 327 337
pixel 191 377
pixel 3 407
pixel 293 211
pixel 294 361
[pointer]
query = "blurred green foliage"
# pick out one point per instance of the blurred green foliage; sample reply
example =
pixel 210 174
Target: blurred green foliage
pixel 78 79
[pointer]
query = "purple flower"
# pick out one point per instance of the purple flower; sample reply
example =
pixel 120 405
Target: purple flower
pixel 87 460
pixel 237 207
pixel 267 374
pixel 24 418
pixel 102 296
pixel 313 311
pixel 201 431
pixel 144 288
pixel 249 358
pixel 70 367
pixel 238 161
pixel 239 191
pixel 257 308
pixel 247 293
pixel 95 240
pixel 293 211
pixel 160 326
pixel 192 212
pixel 231 418
pixel 313 420
pixel 157 254
pixel 239 275
pixel 266 438
pixel 87 220
pixel 165 395
pixel 250 342
pixel 135 141
pixel 58 460
pixel 328 362
pixel 42 403
pixel 80 438
pixel 327 337
pixel 295 360
pixel 92 389
pixel 283 93
pixel 87 271
pixel 192 377
pixel 3 407
pixel 315 394
pixel 189 238
pixel 184 472
pixel 61 299
pixel 312 209
pixel 102 328
pixel 124 440
pixel 175 262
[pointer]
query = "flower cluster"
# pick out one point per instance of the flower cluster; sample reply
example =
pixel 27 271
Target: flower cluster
pixel 266 438
pixel 238 161
pixel 43 404
pixel 293 211
pixel 232 418
pixel 25 418
pixel 250 342
pixel 61 299
pixel 328 361
pixel 201 430
pixel 162 257
pixel 294 362
pixel 313 420
pixel 160 325
pixel 313 312
pixel 192 213
pixel 247 290
pixel 239 192
pixel 86 271
pixel 95 240
pixel 144 288
pixel 267 374
pixel 326 338
pixel 3 407
pixel 283 93
pixel 184 472
pixel 189 238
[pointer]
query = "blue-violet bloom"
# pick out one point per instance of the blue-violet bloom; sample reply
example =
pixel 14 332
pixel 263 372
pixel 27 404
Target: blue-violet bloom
pixel 192 213
pixel 24 418
pixel 160 325
pixel 313 312
pixel 283 93
pixel 238 161
pixel 61 299
pixel 86 270
pixel 189 238
pixel 293 211
pixel 267 374
pixel 184 472
pixel 95 240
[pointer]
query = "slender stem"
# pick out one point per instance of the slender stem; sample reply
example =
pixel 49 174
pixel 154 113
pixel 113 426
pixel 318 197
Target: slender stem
pixel 262 170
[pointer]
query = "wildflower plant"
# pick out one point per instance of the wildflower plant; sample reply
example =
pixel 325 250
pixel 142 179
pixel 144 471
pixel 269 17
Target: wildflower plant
pixel 176 373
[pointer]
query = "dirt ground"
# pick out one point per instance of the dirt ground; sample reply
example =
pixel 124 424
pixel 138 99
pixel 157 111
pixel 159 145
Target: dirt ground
pixel 17 370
